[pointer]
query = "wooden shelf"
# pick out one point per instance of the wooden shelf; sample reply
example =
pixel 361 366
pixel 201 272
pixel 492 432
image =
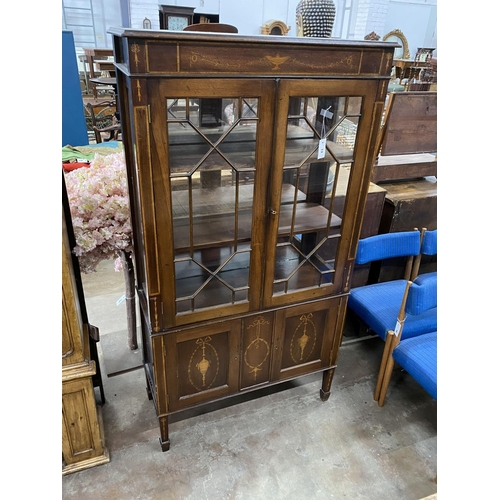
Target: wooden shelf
pixel 217 230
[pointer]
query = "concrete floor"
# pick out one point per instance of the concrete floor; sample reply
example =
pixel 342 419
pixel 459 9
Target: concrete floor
pixel 278 443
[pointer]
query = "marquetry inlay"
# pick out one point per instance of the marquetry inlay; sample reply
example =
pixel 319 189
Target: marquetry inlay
pixel 138 87
pixel 206 368
pixel 155 323
pixel 305 337
pixel 257 344
pixel 277 61
pixel 135 49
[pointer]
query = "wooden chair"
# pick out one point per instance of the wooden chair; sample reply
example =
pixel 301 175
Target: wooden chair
pixel 377 306
pixel 421 75
pixel 428 248
pixel 102 119
pixel 212 28
pixel 417 355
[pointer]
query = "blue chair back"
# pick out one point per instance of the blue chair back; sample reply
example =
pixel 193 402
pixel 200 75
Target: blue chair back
pixel 429 243
pixel 422 294
pixel 386 246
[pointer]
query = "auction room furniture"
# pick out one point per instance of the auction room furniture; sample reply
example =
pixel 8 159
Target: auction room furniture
pixel 377 306
pixel 243 273
pixel 212 27
pixel 94 55
pixel 175 18
pixel 401 52
pixel 421 74
pixel 408 137
pixel 103 121
pixel 407 204
pixel 82 431
pixel 402 68
pixel 416 355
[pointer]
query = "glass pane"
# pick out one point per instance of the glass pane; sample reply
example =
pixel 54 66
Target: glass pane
pixel 212 166
pixel 187 148
pixel 321 135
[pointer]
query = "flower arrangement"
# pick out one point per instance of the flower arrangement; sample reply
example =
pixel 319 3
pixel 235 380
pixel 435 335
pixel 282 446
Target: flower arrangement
pixel 100 211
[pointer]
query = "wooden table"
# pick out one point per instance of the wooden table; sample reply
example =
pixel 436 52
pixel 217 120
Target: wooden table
pixel 402 67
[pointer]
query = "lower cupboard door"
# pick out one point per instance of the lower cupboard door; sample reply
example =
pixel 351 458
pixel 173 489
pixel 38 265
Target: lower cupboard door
pixel 305 338
pixel 202 364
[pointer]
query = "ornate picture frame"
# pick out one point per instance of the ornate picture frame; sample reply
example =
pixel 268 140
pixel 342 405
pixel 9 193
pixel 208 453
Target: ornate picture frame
pixel 398 36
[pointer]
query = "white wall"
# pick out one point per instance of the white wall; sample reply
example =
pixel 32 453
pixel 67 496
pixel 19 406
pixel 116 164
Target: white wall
pixel 417 19
pixel 370 16
pixel 248 17
pixel 139 9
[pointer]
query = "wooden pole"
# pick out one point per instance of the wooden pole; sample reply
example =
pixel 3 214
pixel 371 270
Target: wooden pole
pixel 128 269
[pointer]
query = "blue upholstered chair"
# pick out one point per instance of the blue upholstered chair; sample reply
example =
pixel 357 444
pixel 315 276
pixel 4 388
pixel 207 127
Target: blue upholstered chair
pixel 377 305
pixel 428 247
pixel 417 355
pixel 429 243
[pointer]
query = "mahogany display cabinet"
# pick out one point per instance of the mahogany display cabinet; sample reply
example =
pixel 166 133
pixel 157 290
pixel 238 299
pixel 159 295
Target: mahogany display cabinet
pixel 235 146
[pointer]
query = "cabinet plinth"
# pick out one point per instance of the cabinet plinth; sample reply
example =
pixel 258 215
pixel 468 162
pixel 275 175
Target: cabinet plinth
pixel 249 160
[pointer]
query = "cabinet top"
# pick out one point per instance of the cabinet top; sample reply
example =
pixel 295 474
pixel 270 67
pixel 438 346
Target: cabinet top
pixel 143 53
pixel 240 38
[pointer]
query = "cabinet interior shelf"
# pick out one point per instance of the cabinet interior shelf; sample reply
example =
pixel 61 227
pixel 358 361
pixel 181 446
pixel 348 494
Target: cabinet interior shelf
pixel 216 226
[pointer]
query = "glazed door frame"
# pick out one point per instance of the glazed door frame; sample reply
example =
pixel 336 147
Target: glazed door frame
pixel 207 88
pixel 368 91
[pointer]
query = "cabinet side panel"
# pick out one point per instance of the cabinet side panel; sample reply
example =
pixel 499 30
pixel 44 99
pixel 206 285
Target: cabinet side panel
pixel 141 120
pixel 72 342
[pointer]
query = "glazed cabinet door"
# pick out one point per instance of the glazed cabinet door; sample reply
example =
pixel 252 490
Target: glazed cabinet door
pixel 318 186
pixel 211 154
pixel 307 337
pixel 200 364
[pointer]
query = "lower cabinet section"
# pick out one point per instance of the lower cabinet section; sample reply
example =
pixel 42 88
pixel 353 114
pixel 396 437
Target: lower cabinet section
pixel 211 361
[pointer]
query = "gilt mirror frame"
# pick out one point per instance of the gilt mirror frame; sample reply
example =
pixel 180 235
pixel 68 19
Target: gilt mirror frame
pixel 402 39
pixel 274 28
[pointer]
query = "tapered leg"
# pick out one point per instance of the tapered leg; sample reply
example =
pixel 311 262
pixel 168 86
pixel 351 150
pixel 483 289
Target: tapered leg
pixel 383 363
pixel 324 393
pixel 386 380
pixel 164 441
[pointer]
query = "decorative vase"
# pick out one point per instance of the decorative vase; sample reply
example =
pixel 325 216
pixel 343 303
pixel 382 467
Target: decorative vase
pixel 315 18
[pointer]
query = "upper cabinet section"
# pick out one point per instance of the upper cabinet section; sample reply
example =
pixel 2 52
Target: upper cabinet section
pixel 249 160
pixel 157 53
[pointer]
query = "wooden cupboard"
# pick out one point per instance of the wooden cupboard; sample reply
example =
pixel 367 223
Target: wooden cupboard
pixel 82 431
pixel 244 240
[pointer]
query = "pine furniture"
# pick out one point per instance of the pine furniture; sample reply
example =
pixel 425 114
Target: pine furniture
pixel 82 430
pixel 244 240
